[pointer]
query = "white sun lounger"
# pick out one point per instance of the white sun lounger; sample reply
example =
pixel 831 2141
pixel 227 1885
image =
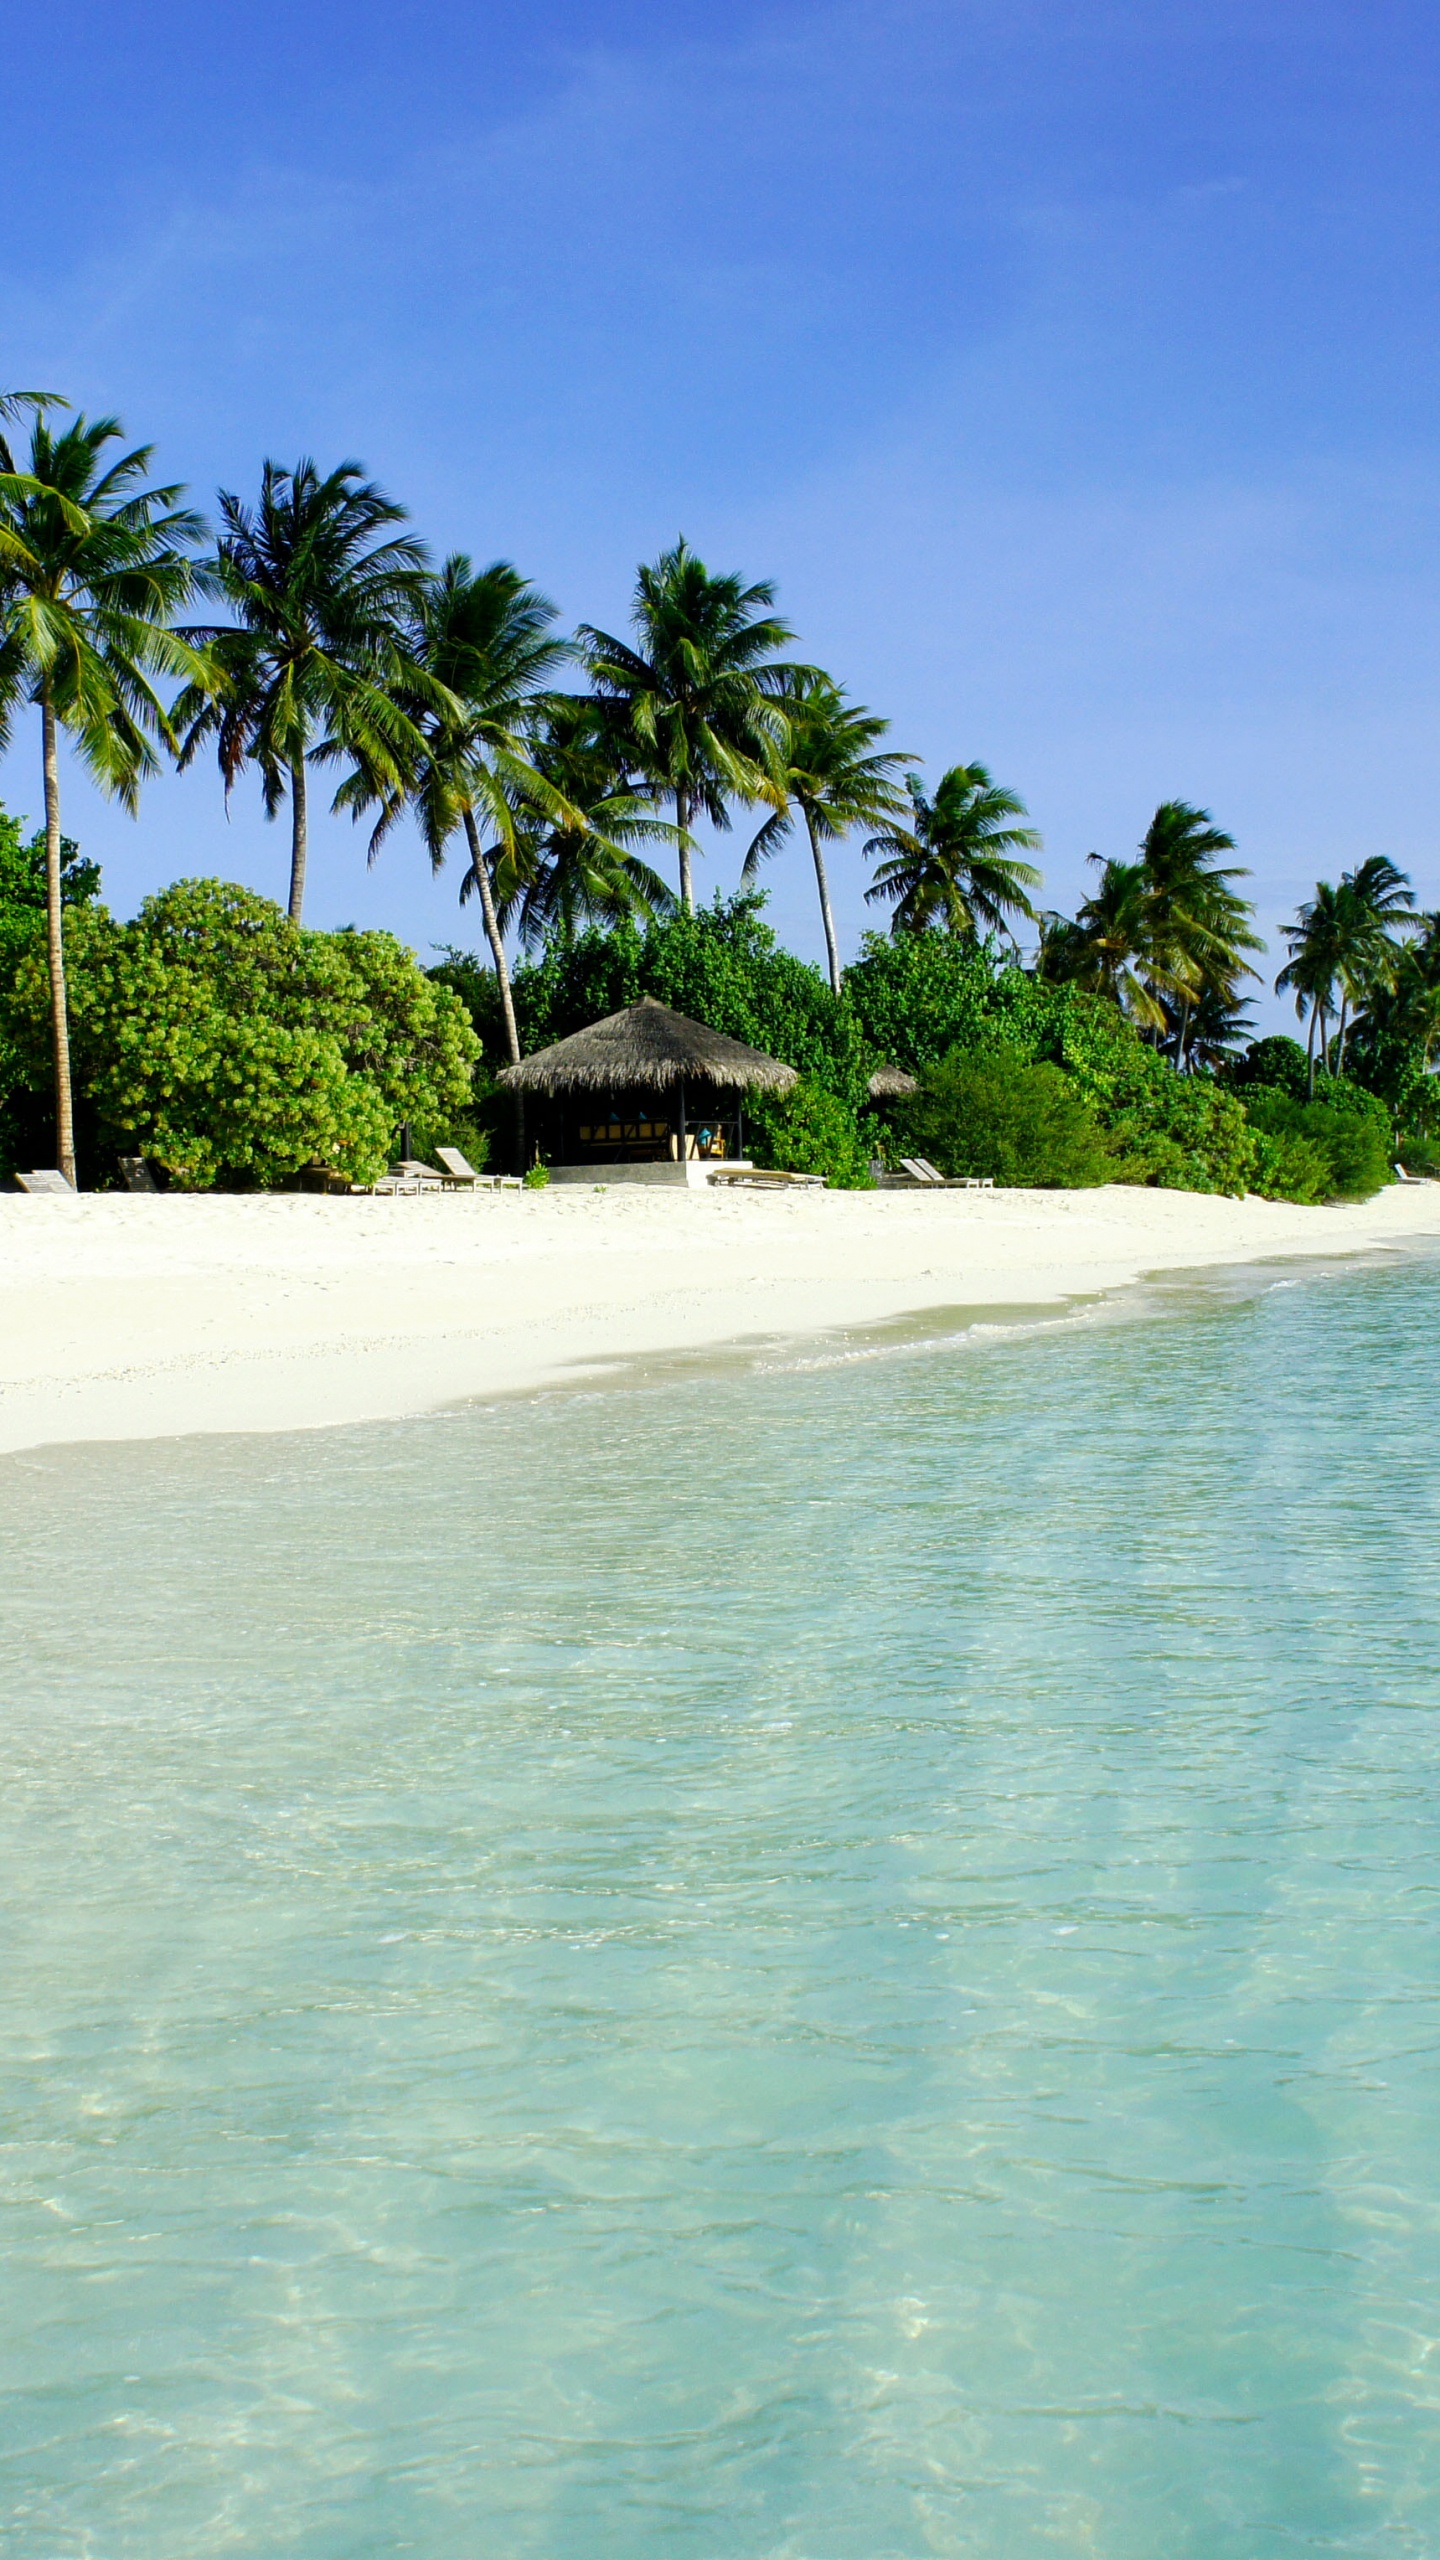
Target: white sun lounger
pixel 48 1180
pixel 458 1173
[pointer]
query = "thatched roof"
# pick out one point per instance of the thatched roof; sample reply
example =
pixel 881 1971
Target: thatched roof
pixel 647 1047
pixel 888 1083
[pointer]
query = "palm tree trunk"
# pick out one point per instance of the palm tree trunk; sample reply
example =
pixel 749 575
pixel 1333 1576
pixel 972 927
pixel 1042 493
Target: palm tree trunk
pixel 55 933
pixel 827 917
pixel 682 824
pixel 493 934
pixel 1344 1017
pixel 1183 1036
pixel 299 838
pixel 1310 1051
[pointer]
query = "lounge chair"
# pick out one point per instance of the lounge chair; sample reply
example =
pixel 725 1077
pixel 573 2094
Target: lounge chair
pixel 137 1174
pixel 1419 1180
pixel 47 1180
pixel 923 1172
pixel 458 1174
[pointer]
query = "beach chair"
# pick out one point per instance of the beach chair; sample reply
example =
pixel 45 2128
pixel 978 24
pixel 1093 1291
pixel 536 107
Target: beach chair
pixel 137 1175
pixel 1418 1180
pixel 923 1172
pixel 458 1174
pixel 47 1180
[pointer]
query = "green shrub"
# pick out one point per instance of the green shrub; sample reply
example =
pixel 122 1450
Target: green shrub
pixel 1275 1060
pixel 723 966
pixel 808 1130
pixel 1179 1133
pixel 1348 1137
pixel 214 1036
pixel 536 1177
pixel 1023 1126
pixel 1291 1167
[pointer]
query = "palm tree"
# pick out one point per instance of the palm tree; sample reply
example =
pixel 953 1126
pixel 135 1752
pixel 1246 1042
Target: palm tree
pixel 93 567
pixel 1199 927
pixel 1374 900
pixel 695 699
pixel 1343 949
pixel 1107 949
pixel 484 648
pixel 957 866
pixel 1219 1025
pixel 311 668
pixel 14 405
pixel 578 862
pixel 831 772
pixel 1315 941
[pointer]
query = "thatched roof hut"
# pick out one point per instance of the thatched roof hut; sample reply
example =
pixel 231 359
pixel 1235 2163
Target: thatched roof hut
pixel 888 1084
pixel 647 1049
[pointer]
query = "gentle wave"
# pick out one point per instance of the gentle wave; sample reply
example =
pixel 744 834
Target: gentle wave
pixel 835 1958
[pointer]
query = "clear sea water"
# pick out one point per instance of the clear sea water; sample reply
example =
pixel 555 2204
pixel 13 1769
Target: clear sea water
pixel 822 1959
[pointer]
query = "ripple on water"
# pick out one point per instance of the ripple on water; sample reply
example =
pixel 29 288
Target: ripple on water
pixel 807 1965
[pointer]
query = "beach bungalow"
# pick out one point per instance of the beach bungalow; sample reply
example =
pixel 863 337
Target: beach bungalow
pixel 647 1095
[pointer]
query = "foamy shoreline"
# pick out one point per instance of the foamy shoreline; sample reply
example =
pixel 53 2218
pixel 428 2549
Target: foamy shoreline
pixel 127 1318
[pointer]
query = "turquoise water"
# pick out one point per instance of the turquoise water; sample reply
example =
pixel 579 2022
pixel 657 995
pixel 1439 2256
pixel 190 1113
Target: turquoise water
pixel 811 1962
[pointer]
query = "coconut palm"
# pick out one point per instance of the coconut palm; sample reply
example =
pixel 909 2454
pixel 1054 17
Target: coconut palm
pixel 695 698
pixel 579 861
pixel 311 669
pixel 832 771
pixel 1315 942
pixel 16 405
pixel 1219 1026
pixel 1199 927
pixel 1376 904
pixel 478 650
pixel 94 566
pixel 1107 948
pixel 1344 949
pixel 958 866
pixel 1414 991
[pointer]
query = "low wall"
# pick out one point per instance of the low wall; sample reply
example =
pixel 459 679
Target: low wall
pixel 692 1175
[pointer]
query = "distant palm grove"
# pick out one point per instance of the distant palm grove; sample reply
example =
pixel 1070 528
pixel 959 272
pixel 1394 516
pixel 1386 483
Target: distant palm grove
pixel 309 641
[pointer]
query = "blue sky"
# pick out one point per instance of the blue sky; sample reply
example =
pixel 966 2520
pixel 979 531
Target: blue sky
pixel 1072 369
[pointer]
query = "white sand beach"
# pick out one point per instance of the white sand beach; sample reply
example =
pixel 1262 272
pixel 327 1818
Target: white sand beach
pixel 130 1318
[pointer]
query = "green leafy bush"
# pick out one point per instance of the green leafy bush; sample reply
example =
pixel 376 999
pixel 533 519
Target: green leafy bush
pixel 1346 1139
pixel 1276 1061
pixel 213 1036
pixel 1023 1125
pixel 723 966
pixel 808 1130
pixel 1179 1133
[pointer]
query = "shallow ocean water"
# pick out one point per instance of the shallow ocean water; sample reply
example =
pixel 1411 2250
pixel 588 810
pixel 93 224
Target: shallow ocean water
pixel 822 1959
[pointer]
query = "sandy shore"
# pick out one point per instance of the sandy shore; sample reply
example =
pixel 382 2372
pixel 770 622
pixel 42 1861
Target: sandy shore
pixel 125 1318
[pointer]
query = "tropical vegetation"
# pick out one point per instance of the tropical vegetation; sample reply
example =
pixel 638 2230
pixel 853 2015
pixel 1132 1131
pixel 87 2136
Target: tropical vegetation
pixel 217 1035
